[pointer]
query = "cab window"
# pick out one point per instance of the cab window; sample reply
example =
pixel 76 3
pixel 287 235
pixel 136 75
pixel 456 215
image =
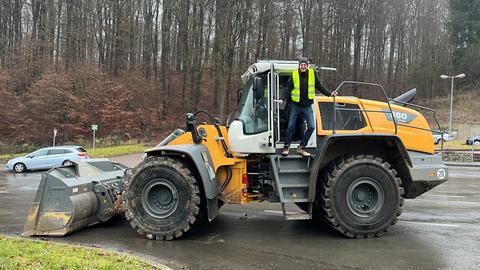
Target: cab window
pixel 253 112
pixel 351 118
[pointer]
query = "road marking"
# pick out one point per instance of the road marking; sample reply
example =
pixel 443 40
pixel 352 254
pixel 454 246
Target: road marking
pixel 444 196
pixel 445 201
pixel 404 221
pixel 428 223
pixel 278 212
pixel 4 192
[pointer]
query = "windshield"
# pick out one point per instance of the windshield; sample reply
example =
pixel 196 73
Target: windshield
pixel 253 113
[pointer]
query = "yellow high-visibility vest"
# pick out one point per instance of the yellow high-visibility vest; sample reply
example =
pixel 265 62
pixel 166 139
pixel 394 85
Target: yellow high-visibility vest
pixel 296 85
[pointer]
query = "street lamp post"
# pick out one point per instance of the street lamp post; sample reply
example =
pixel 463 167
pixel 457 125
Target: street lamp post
pixel 459 76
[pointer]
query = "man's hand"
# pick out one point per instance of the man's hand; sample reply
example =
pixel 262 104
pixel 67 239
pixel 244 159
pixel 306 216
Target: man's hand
pixel 334 93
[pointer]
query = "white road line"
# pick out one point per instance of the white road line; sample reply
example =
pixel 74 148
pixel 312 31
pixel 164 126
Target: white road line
pixel 403 221
pixel 445 201
pixel 278 212
pixel 4 192
pixel 432 224
pixel 444 196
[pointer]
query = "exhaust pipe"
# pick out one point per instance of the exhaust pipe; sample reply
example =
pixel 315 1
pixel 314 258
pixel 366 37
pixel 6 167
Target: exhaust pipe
pixel 72 197
pixel 405 98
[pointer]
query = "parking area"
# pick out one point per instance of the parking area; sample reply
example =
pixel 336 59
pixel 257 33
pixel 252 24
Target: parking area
pixel 439 230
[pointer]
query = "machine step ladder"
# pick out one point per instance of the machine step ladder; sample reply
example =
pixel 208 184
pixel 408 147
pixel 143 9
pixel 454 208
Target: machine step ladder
pixel 291 175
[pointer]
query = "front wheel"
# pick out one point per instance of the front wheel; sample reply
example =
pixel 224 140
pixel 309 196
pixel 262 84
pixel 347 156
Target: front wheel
pixel 361 196
pixel 476 142
pixel 19 167
pixel 162 198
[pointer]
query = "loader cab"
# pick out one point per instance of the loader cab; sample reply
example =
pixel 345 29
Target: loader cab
pixel 261 120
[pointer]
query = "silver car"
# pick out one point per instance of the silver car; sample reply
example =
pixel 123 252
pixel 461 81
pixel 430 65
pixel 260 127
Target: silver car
pixel 474 140
pixel 47 158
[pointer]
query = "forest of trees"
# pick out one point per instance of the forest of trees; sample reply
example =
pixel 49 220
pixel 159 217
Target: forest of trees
pixel 134 67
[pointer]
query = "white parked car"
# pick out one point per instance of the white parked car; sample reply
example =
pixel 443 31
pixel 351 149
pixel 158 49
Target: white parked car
pixel 438 137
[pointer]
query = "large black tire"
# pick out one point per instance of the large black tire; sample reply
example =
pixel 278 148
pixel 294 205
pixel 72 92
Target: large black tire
pixel 162 199
pixel 360 196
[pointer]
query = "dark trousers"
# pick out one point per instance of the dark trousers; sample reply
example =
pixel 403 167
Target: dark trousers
pixel 295 112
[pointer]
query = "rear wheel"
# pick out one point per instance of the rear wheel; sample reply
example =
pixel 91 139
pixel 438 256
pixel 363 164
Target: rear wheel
pixel 67 163
pixel 477 142
pixel 360 196
pixel 19 167
pixel 162 199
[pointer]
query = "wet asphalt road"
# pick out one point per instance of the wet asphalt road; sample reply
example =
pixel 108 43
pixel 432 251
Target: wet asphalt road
pixel 439 230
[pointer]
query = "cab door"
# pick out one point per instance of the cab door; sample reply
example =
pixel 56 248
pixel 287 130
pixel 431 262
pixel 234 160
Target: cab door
pixel 252 130
pixel 281 113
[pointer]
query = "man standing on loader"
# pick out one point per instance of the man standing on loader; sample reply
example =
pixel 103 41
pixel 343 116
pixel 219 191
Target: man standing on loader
pixel 302 87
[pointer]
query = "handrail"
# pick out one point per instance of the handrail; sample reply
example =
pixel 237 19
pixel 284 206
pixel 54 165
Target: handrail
pixel 411 104
pixel 335 108
pixel 362 83
pixel 439 131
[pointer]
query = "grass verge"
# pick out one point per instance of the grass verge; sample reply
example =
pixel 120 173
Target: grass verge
pixel 110 151
pixel 116 150
pixel 7 157
pixel 16 253
pixel 457 145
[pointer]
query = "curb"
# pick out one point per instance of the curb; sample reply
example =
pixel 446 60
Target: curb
pixel 94 247
pixel 461 164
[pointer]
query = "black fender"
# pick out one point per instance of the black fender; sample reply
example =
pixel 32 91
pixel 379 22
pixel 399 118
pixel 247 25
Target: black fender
pixel 199 157
pixel 388 146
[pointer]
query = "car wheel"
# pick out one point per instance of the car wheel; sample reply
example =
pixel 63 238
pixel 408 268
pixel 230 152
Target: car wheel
pixel 19 167
pixel 437 141
pixel 476 142
pixel 67 163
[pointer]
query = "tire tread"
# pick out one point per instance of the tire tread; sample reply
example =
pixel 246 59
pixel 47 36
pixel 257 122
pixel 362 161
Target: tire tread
pixel 329 180
pixel 193 208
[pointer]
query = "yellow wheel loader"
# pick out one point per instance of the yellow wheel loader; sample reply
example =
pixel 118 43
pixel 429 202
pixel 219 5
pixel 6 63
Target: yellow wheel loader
pixel 367 157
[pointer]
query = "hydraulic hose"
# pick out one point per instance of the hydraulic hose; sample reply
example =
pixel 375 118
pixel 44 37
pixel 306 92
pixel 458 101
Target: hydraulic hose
pixel 227 180
pixel 216 123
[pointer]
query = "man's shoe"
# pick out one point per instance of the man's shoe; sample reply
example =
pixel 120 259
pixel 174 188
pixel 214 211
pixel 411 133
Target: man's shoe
pixel 301 151
pixel 285 152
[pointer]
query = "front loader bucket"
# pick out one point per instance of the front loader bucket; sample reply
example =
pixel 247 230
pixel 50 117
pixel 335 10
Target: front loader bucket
pixel 70 198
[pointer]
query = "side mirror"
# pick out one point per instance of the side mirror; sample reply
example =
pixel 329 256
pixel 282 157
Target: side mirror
pixel 239 95
pixel 258 87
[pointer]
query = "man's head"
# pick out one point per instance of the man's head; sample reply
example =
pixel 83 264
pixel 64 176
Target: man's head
pixel 302 64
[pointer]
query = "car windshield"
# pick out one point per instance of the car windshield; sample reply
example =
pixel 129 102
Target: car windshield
pixel 252 113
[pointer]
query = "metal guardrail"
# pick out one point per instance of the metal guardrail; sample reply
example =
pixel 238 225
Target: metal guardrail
pixel 388 100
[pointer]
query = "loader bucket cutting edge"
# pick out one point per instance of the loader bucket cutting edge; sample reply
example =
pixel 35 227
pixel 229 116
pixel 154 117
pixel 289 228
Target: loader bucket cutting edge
pixel 70 198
